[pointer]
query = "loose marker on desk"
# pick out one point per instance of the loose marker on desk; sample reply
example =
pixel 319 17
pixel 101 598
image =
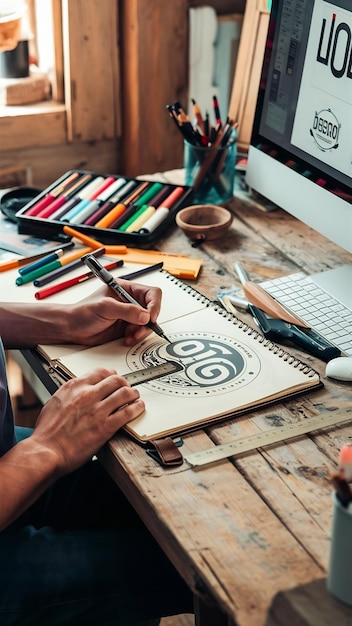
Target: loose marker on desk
pixel 71 282
pixel 50 267
pixel 64 269
pixel 43 261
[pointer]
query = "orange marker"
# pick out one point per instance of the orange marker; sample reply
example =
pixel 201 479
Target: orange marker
pixel 88 241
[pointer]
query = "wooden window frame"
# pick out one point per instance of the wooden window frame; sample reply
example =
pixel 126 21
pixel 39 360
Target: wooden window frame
pixel 86 87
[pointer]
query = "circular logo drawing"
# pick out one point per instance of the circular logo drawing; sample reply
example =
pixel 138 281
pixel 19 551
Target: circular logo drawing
pixel 325 130
pixel 213 363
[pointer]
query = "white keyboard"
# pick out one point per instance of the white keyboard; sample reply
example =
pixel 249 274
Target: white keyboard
pixel 315 306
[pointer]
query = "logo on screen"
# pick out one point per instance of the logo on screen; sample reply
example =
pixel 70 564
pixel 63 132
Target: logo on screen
pixel 325 130
pixel 334 48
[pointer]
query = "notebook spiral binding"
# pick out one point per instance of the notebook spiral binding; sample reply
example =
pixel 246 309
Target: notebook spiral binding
pixel 273 347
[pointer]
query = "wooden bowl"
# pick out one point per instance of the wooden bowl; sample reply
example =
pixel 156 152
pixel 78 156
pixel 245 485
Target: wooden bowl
pixel 202 222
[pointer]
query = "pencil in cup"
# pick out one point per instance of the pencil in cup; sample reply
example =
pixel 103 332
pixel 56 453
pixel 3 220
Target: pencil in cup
pixel 211 170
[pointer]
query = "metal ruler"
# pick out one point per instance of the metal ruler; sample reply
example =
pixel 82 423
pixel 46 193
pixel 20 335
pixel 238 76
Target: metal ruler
pixel 151 373
pixel 267 437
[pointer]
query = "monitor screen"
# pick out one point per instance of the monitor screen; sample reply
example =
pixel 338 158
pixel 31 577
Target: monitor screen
pixel 300 155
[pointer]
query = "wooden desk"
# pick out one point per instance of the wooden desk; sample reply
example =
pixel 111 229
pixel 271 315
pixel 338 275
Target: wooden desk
pixel 249 535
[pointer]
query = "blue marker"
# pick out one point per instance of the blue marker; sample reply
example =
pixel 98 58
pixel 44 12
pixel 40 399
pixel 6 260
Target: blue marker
pixel 41 262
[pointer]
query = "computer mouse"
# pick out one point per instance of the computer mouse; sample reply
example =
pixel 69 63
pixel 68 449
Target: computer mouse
pixel 340 368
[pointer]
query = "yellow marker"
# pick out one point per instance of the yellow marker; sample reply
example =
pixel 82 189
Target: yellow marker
pixel 135 226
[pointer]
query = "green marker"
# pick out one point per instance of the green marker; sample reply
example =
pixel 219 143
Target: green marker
pixel 28 278
pixel 133 217
pixel 149 194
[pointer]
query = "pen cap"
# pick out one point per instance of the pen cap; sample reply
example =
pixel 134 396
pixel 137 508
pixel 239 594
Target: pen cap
pixel 345 462
pixel 339 580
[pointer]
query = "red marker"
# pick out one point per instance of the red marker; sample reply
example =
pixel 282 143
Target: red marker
pixel 50 197
pixel 66 284
pixel 171 199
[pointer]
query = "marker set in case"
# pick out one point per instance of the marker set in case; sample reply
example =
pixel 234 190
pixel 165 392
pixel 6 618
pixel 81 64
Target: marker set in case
pixel 112 209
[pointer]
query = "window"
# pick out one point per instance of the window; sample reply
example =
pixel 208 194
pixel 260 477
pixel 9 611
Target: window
pixel 83 64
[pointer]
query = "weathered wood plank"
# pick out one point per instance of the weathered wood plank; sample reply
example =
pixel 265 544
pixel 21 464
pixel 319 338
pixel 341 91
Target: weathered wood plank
pixel 154 73
pixel 244 529
pixel 222 525
pixel 93 105
pixel 40 125
pixel 49 163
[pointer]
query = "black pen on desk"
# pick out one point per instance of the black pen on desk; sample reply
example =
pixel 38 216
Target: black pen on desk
pixel 142 271
pixel 109 280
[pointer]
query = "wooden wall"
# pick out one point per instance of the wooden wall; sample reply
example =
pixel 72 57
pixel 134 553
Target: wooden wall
pixel 115 121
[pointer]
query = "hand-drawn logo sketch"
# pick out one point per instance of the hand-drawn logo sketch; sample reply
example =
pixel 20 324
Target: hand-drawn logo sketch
pixel 213 363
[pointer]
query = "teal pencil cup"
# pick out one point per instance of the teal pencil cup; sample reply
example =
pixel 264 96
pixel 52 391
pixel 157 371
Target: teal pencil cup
pixel 210 171
pixel 339 581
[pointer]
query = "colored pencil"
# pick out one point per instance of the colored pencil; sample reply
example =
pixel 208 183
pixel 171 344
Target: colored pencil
pixel 70 192
pixel 88 241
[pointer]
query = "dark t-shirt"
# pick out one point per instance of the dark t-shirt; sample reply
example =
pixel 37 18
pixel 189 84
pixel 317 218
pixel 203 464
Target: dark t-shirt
pixel 7 432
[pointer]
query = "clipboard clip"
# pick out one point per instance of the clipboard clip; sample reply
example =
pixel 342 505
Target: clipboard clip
pixel 165 451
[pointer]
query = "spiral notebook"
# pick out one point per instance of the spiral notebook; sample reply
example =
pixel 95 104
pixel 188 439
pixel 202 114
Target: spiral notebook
pixel 227 367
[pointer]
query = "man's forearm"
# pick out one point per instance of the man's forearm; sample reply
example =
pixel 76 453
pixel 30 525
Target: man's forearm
pixel 26 325
pixel 26 471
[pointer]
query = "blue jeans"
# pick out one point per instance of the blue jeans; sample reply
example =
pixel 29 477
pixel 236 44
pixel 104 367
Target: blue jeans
pixel 81 556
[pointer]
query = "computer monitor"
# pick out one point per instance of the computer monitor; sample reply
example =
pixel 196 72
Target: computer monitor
pixel 300 156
